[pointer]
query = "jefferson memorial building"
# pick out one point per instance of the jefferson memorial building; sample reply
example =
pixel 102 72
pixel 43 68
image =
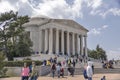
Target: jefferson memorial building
pixel 57 36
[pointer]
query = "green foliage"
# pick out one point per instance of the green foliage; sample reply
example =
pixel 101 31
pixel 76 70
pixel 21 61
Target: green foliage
pixel 26 59
pixel 8 15
pixel 2 70
pixel 14 41
pixel 20 63
pixel 92 54
pixel 23 46
pixel 1 60
pixel 99 53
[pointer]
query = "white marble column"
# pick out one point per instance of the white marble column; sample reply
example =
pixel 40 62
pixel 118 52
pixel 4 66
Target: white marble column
pixel 68 45
pixel 40 41
pixel 46 40
pixel 73 43
pixel 78 44
pixel 57 41
pixel 62 42
pixel 50 41
pixel 85 42
pixel 81 44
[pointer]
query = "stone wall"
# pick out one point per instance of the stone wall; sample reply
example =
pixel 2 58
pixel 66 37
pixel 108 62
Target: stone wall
pixel 16 71
pixel 44 70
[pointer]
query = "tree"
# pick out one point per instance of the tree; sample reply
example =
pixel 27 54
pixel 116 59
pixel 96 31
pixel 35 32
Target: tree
pixel 11 31
pixel 22 47
pixel 99 53
pixel 2 69
pixel 92 54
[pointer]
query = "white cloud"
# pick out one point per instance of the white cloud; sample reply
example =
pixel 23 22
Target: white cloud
pixel 118 48
pixel 112 11
pixel 101 8
pixel 5 6
pixel 94 12
pixel 98 7
pixel 97 31
pixel 104 26
pixel 51 8
pixel 22 6
pixel 25 8
pixel 24 1
pixel 94 31
pixel 94 4
pixel 113 54
pixel 59 9
pixel 115 11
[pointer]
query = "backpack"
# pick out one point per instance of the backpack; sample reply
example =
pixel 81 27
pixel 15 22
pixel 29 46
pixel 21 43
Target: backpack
pixel 30 68
pixel 85 74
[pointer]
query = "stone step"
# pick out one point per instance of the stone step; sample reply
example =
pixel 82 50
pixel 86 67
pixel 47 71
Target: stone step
pixel 101 70
pixel 79 71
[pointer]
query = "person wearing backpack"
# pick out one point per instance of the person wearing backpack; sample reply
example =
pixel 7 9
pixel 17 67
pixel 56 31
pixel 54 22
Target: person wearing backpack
pixel 89 71
pixel 85 73
pixel 53 69
pixel 58 67
pixel 34 72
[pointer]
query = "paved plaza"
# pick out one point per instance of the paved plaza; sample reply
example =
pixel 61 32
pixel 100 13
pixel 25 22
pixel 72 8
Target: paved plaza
pixel 76 77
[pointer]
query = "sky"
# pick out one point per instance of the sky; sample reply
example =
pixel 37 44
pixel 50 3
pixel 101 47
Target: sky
pixel 100 17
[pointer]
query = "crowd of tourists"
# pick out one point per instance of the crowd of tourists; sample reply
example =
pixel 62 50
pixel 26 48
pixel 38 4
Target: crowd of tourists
pixel 108 64
pixel 57 68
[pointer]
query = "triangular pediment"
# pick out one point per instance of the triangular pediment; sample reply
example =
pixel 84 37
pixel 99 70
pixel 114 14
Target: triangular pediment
pixel 69 23
pixel 42 21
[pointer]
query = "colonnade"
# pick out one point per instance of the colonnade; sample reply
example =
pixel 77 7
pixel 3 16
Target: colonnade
pixel 57 41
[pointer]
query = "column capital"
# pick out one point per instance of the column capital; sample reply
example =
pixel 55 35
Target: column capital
pixel 81 35
pixel 50 29
pixel 73 33
pixel 57 29
pixel 85 35
pixel 68 31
